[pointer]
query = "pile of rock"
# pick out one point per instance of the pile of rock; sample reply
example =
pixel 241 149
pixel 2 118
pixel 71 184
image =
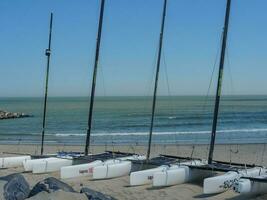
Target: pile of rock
pixel 10 115
pixel 15 187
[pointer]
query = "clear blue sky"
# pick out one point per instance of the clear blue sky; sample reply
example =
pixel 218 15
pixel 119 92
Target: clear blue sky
pixel 129 45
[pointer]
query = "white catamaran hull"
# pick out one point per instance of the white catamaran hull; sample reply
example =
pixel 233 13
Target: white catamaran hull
pixel 88 169
pixel 246 186
pixel 50 166
pixel 9 162
pixel 28 164
pixel 76 171
pixel 218 184
pixel 112 170
pixel 144 177
pixel 179 174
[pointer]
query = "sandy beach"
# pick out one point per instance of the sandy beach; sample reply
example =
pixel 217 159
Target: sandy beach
pixel 119 187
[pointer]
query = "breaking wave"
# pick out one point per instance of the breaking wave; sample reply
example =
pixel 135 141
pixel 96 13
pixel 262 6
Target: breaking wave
pixel 160 133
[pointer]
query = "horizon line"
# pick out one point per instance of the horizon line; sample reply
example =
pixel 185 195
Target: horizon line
pixel 189 95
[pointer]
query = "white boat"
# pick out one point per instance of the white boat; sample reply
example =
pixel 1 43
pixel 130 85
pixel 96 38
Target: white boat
pixel 144 177
pixel 86 169
pixel 221 183
pixel 50 165
pixel 247 186
pixel 81 170
pixel 255 185
pixel 28 164
pixel 9 162
pixel 147 176
pixel 179 174
pixel 114 168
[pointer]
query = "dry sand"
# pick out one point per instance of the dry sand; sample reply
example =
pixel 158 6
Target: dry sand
pixel 118 188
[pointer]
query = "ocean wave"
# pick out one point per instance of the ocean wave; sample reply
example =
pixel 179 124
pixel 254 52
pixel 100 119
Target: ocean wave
pixel 159 133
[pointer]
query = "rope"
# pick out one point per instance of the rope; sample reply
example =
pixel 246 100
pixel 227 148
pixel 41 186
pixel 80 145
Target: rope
pixel 228 66
pixel 103 79
pixel 209 86
pixel 192 153
pixel 263 153
pixel 170 96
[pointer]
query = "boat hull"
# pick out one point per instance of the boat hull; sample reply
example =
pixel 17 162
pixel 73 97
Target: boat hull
pixel 112 170
pixel 144 177
pixel 179 174
pixel 246 186
pixel 50 166
pixel 87 169
pixel 28 164
pixel 9 162
pixel 76 171
pixel 222 183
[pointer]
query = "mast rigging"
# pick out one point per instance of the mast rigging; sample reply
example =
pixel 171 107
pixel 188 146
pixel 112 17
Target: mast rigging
pixel 47 53
pixel 219 83
pixel 98 42
pixel 156 78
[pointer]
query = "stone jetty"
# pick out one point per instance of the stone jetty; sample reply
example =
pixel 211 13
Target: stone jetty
pixel 10 115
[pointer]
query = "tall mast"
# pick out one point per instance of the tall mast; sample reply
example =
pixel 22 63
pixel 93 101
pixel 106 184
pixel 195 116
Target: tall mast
pixel 47 53
pixel 98 40
pixel 156 79
pixel 219 83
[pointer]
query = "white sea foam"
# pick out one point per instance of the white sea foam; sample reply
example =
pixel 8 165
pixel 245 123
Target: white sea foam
pixel 161 133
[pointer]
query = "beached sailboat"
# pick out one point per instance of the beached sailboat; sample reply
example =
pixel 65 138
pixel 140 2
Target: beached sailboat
pixel 102 160
pixel 144 171
pixel 18 161
pixel 103 165
pixel 234 171
pixel 199 169
pixel 177 175
pixel 48 162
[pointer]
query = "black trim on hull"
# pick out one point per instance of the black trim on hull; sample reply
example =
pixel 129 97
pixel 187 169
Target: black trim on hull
pixel 220 167
pixel 102 156
pixel 261 180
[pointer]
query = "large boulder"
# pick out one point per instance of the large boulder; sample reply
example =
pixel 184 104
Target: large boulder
pixel 58 195
pixel 50 185
pixel 94 195
pixel 14 187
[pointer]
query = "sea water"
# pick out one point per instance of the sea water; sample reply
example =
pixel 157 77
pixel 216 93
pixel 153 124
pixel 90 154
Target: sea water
pixel 126 120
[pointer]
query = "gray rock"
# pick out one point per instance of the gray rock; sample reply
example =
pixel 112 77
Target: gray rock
pixel 10 115
pixel 94 195
pixel 58 195
pixel 50 185
pixel 14 187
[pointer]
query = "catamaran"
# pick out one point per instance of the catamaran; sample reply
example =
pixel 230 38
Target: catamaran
pixel 198 169
pixel 19 161
pixel 144 171
pixel 191 172
pixel 107 164
pixel 234 171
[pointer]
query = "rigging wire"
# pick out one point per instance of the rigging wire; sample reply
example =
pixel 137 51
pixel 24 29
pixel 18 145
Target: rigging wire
pixel 204 107
pixel 103 79
pixel 232 90
pixel 150 82
pixel 263 153
pixel 171 100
